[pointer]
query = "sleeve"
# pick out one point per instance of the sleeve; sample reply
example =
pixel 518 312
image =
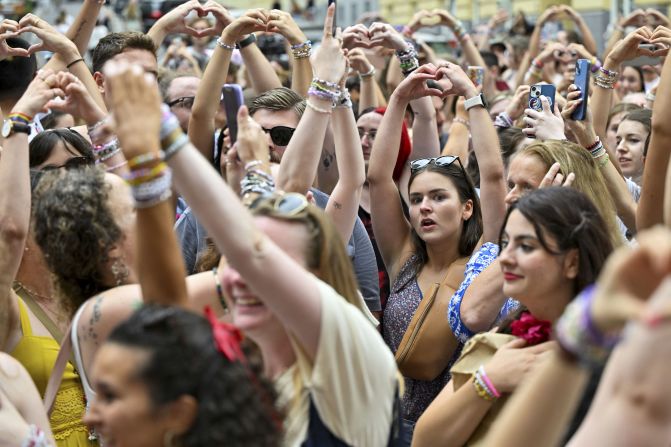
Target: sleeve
pixel 365 267
pixel 354 374
pixel 191 238
pixel 480 260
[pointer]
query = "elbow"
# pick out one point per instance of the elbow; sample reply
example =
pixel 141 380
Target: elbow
pixel 292 184
pixel 659 126
pixel 13 233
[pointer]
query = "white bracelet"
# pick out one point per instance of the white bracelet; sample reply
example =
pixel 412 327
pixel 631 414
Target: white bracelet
pixel 369 73
pixel 36 438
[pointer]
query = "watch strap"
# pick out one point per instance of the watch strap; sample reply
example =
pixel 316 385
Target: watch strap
pixel 474 101
pixel 247 41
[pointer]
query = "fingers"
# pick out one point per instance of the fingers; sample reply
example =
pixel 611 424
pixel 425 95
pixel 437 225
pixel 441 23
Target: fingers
pixel 514 344
pixel 328 22
pixel 550 176
pixel 570 178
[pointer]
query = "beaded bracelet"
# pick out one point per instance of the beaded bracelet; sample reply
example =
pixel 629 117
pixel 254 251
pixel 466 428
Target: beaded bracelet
pixel 143 159
pixel 593 145
pixel 175 147
pixel 139 176
pixel 152 188
pixel 462 121
pixel 224 45
pixel 368 74
pixel 36 438
pixel 459 30
pixel 578 335
pixel 252 164
pixel 345 100
pixel 318 109
pixel 117 166
pixel 481 388
pixel 503 120
pixel 483 375
pixel 604 161
pixel 106 151
pixel 165 195
pixel 302 50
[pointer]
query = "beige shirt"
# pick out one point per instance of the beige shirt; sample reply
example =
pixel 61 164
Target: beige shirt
pixel 352 381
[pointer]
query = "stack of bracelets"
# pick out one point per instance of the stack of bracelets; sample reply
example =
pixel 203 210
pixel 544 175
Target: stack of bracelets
pixel 36 438
pixel 606 78
pixel 599 152
pixel 503 121
pixel 408 59
pixel 105 145
pixel 150 181
pixel 459 31
pixel 577 334
pixel 324 90
pixel 595 64
pixel 302 50
pixel 172 137
pixel 255 180
pixel 483 386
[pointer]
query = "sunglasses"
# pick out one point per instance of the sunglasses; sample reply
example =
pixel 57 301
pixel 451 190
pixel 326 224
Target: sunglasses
pixel 185 102
pixel 285 204
pixel 73 163
pixel 443 161
pixel 281 135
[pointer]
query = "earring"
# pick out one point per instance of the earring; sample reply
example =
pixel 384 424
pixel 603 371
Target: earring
pixel 119 271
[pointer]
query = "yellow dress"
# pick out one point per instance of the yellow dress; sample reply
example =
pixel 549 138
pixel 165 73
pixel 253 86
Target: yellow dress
pixel 38 355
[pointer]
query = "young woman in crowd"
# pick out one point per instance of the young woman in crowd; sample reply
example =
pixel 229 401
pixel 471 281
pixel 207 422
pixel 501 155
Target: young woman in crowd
pixel 446 221
pixel 553 245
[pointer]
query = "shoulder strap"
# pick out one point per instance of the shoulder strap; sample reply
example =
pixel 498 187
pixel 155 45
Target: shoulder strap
pixel 454 275
pixel 57 372
pixel 38 312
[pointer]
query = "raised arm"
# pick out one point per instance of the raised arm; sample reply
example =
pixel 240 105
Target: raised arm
pixel 488 152
pixel 343 205
pixel 281 22
pixel 81 29
pixel 206 104
pixel 15 197
pixel 159 264
pixel 298 167
pixel 587 38
pixel 392 230
pixel 650 212
pixel 175 22
pixel 367 82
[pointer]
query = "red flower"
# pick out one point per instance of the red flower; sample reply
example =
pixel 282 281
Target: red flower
pixel 531 329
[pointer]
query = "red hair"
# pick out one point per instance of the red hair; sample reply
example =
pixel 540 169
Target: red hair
pixel 404 148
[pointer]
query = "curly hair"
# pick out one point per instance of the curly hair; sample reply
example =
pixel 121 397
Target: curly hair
pixel 235 405
pixel 76 231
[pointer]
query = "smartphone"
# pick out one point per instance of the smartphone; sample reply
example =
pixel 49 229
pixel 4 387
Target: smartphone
pixel 582 74
pixel 538 90
pixel 477 75
pixel 335 15
pixel 231 95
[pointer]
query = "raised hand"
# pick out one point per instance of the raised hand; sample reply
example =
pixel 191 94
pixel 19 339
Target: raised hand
pixel 461 84
pixel 628 48
pixel 656 18
pixel 282 23
pixel 419 19
pixel 546 124
pixel 580 51
pixel 358 61
pixel 636 18
pixel 8 28
pixel 583 130
pixel 384 35
pixel 519 102
pixel 251 144
pixel 136 103
pixel 251 21
pixel 329 62
pixel 414 86
pixel 555 178
pixel 77 101
pixel 356 36
pixel 222 17
pixel 175 20
pixel 629 279
pixel 43 88
pixel 661 37
pixel 51 39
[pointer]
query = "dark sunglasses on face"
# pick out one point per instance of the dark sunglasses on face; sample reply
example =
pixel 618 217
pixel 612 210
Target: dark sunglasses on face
pixel 184 102
pixel 73 163
pixel 281 135
pixel 443 161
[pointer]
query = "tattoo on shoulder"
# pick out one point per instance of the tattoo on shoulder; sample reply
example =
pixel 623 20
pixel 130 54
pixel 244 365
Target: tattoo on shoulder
pixel 96 313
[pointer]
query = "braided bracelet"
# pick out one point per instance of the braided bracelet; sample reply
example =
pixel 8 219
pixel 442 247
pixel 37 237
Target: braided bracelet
pixel 302 50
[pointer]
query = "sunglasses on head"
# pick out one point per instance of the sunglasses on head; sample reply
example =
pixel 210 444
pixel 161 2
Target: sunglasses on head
pixel 281 135
pixel 443 161
pixel 184 102
pixel 286 204
pixel 73 163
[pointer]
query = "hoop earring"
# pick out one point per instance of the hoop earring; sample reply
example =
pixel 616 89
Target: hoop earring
pixel 119 271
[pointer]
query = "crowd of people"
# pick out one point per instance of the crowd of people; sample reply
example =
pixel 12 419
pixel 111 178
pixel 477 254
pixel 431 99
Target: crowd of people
pixel 209 240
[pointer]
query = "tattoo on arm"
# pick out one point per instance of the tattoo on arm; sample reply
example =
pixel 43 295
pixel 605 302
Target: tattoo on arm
pixel 337 205
pixel 79 30
pixel 95 318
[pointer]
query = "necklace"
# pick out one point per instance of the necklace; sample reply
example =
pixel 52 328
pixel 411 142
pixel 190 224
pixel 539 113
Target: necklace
pixel 43 300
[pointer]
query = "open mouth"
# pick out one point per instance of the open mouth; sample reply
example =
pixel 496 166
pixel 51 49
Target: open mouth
pixel 248 301
pixel 427 223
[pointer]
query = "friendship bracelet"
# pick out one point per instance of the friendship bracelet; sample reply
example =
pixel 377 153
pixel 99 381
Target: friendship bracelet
pixel 345 101
pixel 224 45
pixel 594 145
pixel 19 117
pixel 604 161
pixel 503 121
pixel 490 385
pixel 155 201
pixel 481 388
pixel 175 147
pixel 140 176
pixel 36 438
pixel 462 121
pixel 144 158
pixel 81 59
pixel 153 188
pixel 253 164
pixel 302 50
pixel 117 166
pixel 317 109
pixel 368 74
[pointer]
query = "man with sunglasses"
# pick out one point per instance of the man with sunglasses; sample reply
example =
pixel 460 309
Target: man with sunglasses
pixel 179 92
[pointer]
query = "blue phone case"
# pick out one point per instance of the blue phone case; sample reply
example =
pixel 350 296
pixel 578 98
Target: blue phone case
pixel 582 73
pixel 538 90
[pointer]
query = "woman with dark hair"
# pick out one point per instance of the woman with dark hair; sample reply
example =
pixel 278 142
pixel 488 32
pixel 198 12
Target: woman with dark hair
pixel 445 224
pixel 164 366
pixel 633 138
pixel 55 148
pixel 631 81
pixel 553 245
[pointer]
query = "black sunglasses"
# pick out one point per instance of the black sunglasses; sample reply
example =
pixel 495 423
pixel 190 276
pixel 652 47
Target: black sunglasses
pixel 443 161
pixel 185 102
pixel 73 163
pixel 281 135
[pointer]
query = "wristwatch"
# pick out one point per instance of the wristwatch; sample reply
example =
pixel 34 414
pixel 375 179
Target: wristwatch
pixel 478 100
pixel 9 127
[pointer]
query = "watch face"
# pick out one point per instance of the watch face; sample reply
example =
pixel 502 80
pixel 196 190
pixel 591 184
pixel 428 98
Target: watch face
pixel 6 128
